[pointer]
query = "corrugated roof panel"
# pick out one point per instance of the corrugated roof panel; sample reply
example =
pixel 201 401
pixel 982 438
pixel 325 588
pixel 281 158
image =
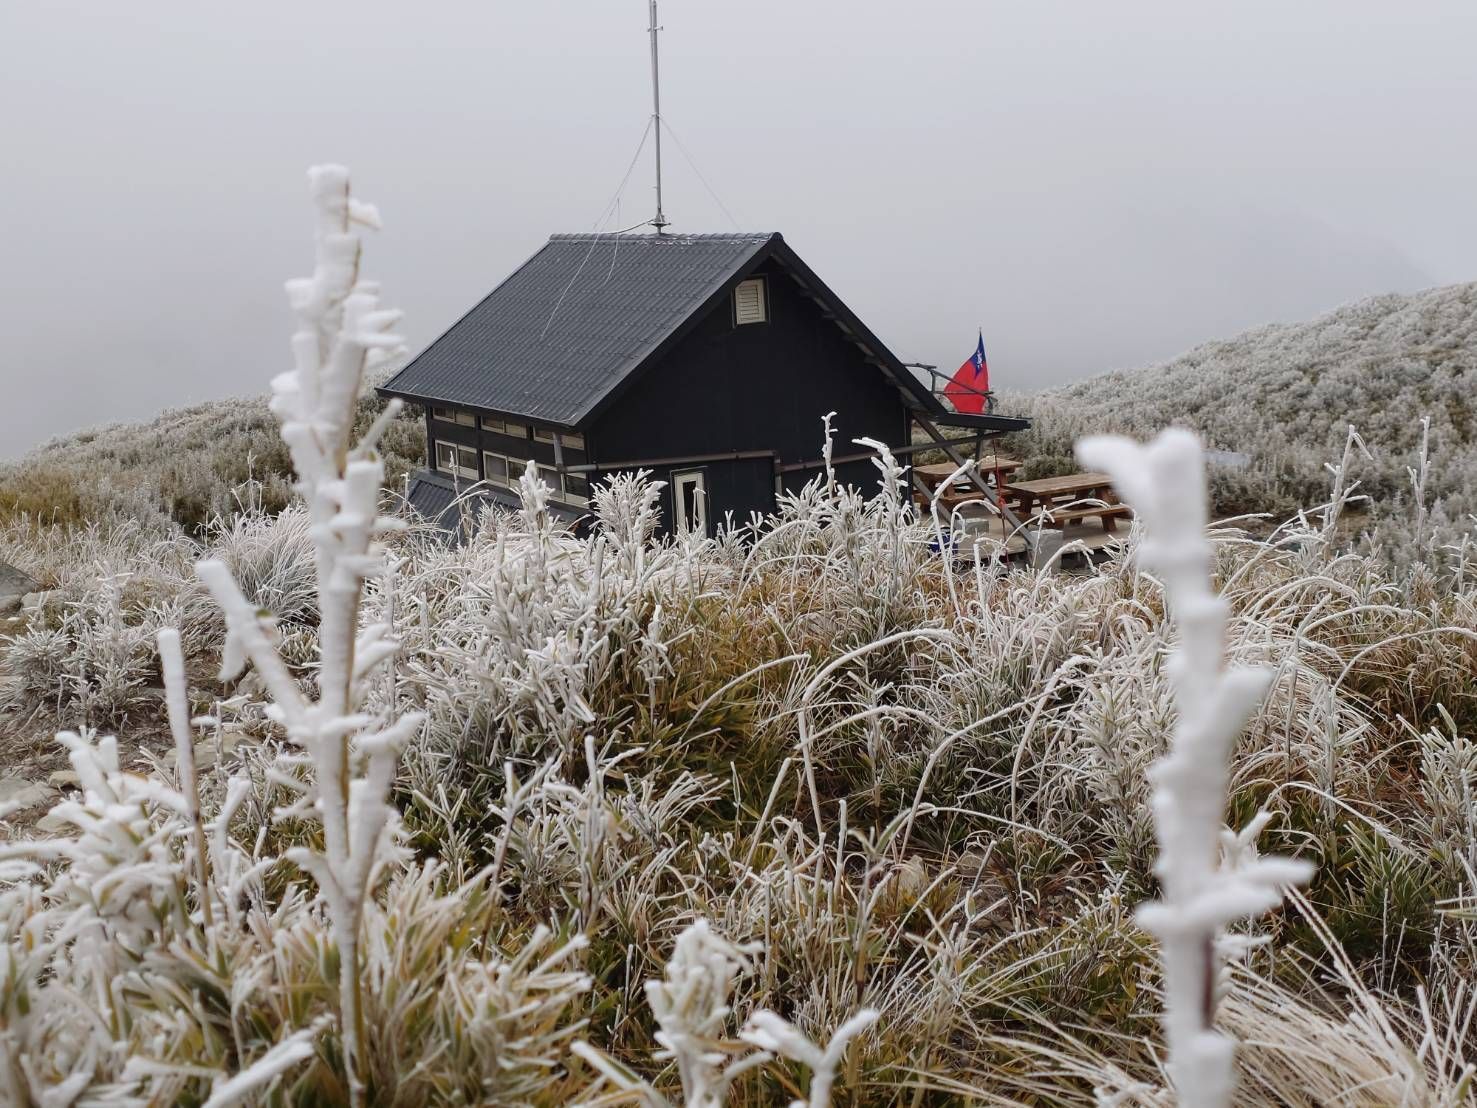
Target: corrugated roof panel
pixel 576 318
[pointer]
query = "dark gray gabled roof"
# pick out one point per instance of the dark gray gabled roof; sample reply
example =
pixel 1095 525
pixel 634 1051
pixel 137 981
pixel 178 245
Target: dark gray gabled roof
pixel 557 339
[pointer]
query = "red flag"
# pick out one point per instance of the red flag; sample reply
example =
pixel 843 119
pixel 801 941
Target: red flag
pixel 966 389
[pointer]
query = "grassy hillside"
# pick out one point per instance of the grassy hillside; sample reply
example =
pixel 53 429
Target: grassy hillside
pixel 184 466
pixel 1286 395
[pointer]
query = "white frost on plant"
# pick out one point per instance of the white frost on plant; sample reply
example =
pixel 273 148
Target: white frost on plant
pixel 1165 484
pixel 778 1036
pixel 342 332
pixel 692 1004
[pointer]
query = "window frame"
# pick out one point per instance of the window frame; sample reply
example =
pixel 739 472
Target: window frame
pixel 507 481
pixel 457 417
pixel 455 468
pixel 558 482
pixel 580 498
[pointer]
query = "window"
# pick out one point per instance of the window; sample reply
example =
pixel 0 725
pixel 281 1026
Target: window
pixel 574 442
pixel 461 461
pixel 543 434
pixel 577 488
pixel 495 469
pixel 690 501
pixel 501 470
pixel 505 427
pixel 454 415
pixel 749 302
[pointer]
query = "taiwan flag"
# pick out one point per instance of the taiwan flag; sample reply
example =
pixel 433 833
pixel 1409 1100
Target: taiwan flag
pixel 966 389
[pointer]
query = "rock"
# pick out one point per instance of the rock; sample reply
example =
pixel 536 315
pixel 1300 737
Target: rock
pixel 64 779
pixel 51 823
pixel 207 753
pixel 13 586
pixel 18 793
pixel 233 735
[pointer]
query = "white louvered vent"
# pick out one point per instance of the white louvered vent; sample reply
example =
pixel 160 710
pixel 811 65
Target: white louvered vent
pixel 748 301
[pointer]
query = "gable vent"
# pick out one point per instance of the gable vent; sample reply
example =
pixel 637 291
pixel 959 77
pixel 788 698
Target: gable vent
pixel 748 302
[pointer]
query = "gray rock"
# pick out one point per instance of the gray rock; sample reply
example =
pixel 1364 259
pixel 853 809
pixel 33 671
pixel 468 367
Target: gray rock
pixel 21 794
pixel 63 778
pixel 13 585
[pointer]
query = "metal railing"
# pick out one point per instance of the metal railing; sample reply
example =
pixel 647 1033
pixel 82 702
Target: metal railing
pixel 938 382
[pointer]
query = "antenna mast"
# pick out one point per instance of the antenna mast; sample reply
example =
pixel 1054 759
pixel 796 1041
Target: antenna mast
pixel 660 221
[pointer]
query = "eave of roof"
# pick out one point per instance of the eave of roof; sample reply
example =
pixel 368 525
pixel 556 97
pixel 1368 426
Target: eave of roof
pixel 980 422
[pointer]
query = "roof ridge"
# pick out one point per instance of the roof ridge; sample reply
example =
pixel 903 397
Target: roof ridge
pixel 704 236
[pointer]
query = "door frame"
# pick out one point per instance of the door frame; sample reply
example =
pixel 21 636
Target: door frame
pixel 699 478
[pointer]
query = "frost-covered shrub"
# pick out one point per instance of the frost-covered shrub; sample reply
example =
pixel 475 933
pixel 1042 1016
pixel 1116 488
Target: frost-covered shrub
pixel 94 665
pixel 271 558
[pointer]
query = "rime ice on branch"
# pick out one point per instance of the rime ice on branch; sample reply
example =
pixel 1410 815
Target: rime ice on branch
pixel 352 755
pixel 692 1004
pixel 1165 484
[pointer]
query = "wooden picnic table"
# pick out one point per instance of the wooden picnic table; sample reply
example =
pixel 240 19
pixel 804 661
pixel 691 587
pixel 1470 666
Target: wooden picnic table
pixel 1048 493
pixel 931 475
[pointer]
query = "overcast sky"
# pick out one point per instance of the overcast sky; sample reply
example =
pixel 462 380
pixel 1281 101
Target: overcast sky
pixel 1097 184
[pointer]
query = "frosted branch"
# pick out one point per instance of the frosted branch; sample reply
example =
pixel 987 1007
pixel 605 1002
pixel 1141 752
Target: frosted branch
pixel 1165 484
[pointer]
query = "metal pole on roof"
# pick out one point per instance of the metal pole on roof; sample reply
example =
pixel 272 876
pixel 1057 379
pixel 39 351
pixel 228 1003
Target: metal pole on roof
pixel 656 119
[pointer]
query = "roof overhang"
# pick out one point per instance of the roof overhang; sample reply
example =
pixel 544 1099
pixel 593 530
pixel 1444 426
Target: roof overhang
pixel 495 413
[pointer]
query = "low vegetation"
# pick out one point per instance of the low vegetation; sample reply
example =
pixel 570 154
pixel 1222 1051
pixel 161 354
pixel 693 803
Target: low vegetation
pixel 186 467
pixel 918 791
pixel 803 812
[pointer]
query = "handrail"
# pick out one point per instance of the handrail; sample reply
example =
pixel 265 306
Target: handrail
pixel 940 390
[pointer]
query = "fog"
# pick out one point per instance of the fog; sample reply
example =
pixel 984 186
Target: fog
pixel 1095 185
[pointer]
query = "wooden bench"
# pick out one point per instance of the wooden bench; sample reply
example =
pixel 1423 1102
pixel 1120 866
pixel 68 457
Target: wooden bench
pixel 1108 513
